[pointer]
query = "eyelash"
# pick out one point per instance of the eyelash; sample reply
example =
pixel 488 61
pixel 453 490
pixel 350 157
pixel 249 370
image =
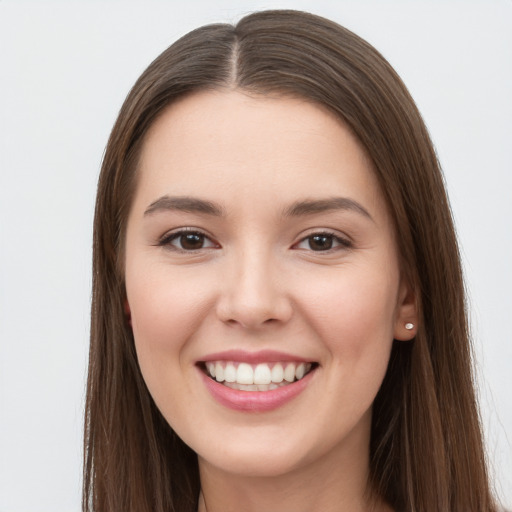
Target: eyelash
pixel 168 238
pixel 343 243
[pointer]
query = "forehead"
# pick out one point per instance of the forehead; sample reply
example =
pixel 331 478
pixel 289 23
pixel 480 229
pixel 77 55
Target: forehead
pixel 270 150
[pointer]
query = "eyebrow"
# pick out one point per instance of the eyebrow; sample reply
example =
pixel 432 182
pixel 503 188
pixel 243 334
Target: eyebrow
pixel 184 204
pixel 314 206
pixel 190 204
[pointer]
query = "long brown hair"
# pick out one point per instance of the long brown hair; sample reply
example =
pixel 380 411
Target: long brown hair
pixel 426 450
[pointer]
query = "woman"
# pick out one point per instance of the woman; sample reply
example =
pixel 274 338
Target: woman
pixel 278 309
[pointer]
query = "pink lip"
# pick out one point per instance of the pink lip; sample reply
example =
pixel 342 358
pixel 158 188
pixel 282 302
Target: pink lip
pixel 254 401
pixel 263 356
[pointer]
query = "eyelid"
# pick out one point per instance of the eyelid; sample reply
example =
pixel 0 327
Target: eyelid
pixel 169 236
pixel 344 242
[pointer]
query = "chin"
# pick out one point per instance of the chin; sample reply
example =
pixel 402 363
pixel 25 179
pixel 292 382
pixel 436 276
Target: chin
pixel 250 465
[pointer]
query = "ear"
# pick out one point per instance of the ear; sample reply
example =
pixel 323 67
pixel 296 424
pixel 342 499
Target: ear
pixel 127 312
pixel 406 318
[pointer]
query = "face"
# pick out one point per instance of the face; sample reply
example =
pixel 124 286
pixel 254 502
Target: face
pixel 263 282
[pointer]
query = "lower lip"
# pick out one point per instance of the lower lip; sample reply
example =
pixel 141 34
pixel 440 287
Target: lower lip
pixel 255 401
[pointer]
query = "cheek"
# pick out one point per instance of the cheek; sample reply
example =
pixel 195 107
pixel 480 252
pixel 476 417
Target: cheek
pixel 353 313
pixel 354 301
pixel 166 310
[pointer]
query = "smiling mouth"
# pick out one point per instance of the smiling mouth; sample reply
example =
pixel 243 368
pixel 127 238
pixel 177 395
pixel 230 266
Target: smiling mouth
pixel 256 377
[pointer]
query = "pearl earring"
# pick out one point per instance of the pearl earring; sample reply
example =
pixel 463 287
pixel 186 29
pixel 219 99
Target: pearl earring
pixel 409 326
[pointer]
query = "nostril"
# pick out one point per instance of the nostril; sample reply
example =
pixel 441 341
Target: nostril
pixel 253 305
pixel 252 321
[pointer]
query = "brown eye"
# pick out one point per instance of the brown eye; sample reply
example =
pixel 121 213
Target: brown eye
pixel 323 242
pixel 187 241
pixel 320 242
pixel 191 241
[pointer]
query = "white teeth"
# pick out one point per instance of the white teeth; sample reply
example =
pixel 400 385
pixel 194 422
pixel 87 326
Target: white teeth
pixel 244 374
pixel 230 373
pixel 211 368
pixel 262 374
pixel 254 387
pixel 277 373
pixel 289 372
pixel 299 372
pixel 219 372
pixel 260 377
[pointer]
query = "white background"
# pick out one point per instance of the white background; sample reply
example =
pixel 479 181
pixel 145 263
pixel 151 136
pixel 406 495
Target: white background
pixel 65 69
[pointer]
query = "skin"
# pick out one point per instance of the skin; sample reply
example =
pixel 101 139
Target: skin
pixel 257 283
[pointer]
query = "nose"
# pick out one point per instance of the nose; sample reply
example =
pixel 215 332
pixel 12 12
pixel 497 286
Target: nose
pixel 253 292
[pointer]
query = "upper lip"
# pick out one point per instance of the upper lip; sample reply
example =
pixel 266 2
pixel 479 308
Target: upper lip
pixel 261 356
